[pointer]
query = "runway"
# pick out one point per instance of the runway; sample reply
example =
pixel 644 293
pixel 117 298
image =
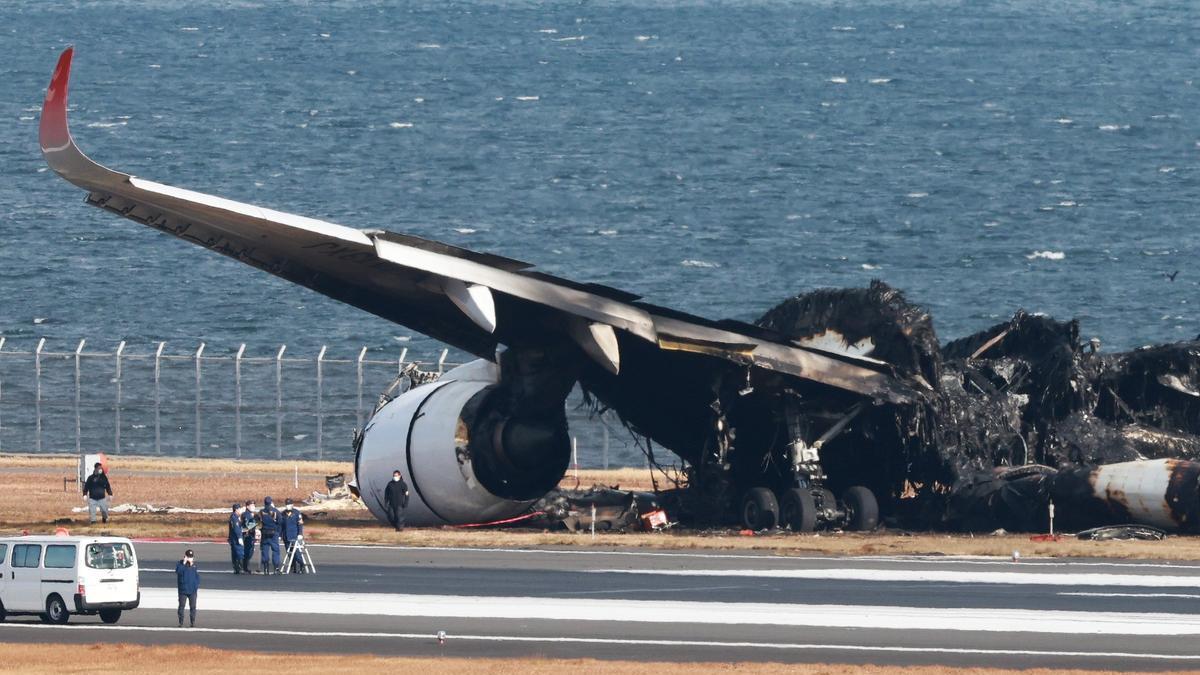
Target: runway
pixel 674 606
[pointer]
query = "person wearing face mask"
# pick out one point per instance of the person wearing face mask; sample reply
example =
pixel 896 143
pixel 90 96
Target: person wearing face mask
pixel 395 499
pixel 250 534
pixel 187 581
pixel 98 490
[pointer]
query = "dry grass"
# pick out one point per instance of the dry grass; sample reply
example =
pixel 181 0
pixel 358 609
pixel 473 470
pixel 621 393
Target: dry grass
pixel 33 499
pixel 52 659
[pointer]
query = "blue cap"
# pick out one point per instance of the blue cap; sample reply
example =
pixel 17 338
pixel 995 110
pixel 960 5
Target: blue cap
pixel 236 506
pixel 266 500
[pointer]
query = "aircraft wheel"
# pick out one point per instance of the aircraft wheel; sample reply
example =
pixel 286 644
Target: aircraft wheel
pixel 798 510
pixel 826 500
pixel 863 509
pixel 760 509
pixel 56 610
pixel 110 615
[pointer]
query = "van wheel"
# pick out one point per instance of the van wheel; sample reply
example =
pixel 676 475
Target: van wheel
pixel 3 613
pixel 56 610
pixel 110 615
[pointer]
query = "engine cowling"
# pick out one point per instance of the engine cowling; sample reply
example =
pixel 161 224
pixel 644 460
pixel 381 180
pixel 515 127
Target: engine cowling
pixel 466 455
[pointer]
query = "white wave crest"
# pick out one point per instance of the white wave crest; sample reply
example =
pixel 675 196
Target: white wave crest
pixel 1046 255
pixel 838 80
pixel 698 263
pixel 879 80
pixel 400 125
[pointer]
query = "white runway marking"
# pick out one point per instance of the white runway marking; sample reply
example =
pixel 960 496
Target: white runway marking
pixel 917 559
pixel 935 576
pixel 611 641
pixel 688 612
pixel 1131 595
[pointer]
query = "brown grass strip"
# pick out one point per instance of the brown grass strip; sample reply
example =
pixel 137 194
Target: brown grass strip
pixel 52 659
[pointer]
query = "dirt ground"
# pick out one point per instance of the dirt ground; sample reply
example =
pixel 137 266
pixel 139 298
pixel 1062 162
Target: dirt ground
pixel 135 659
pixel 35 498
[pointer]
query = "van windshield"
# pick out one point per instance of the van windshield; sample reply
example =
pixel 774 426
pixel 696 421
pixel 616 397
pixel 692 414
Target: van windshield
pixel 109 556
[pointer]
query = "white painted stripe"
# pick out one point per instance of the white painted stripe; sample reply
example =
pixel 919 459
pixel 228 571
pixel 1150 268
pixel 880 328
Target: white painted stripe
pixel 782 557
pixel 608 641
pixel 688 612
pixel 933 576
pixel 1132 595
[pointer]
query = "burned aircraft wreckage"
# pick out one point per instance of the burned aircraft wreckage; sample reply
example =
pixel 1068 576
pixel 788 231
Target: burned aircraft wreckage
pixel 835 408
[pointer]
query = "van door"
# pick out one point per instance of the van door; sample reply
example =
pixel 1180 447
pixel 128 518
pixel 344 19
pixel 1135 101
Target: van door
pixel 25 578
pixel 109 572
pixel 58 572
pixel 4 574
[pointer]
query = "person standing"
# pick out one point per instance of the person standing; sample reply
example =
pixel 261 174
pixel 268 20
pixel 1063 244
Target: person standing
pixel 235 538
pixel 250 534
pixel 269 524
pixel 98 490
pixel 395 498
pixel 187 580
pixel 293 529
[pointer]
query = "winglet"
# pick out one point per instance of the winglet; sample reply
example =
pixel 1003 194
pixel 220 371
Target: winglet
pixel 54 134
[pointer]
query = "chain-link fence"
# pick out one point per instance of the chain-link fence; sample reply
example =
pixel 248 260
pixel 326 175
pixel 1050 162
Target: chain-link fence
pixel 155 399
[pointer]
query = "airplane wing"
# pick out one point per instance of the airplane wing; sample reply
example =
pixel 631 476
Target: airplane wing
pixel 473 301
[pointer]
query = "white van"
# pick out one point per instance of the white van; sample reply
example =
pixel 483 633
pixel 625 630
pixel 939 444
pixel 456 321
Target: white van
pixel 56 576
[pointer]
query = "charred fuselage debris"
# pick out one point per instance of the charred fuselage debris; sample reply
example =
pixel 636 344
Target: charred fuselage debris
pixel 1016 416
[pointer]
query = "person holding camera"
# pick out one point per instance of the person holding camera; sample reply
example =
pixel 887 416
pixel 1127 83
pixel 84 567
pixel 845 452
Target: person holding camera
pixel 187 580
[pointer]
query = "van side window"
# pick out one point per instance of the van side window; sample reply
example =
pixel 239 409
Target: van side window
pixel 26 555
pixel 60 555
pixel 3 552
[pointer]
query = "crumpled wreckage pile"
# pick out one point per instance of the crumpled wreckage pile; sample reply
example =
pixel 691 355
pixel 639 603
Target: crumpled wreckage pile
pixel 1015 417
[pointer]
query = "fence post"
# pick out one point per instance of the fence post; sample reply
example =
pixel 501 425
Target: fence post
pixel 2 339
pixel 442 360
pixel 117 407
pixel 37 366
pixel 279 402
pixel 320 399
pixel 358 422
pixel 237 404
pixel 78 387
pixel 157 398
pixel 199 353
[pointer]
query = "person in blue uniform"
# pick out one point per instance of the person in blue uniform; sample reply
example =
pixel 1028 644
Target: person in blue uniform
pixel 293 529
pixel 187 581
pixel 235 538
pixel 269 525
pixel 250 534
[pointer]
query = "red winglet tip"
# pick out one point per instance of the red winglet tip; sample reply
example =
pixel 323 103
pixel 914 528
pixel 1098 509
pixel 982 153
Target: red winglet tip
pixel 54 134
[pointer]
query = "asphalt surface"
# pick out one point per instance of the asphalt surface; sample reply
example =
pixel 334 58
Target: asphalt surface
pixel 668 606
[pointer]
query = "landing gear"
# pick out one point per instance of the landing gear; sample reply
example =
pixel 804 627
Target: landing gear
pixel 862 509
pixel 798 510
pixel 760 509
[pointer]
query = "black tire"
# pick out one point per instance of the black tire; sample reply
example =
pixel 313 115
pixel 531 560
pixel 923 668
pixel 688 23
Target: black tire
pixel 798 510
pixel 862 509
pixel 56 610
pixel 3 613
pixel 110 615
pixel 760 509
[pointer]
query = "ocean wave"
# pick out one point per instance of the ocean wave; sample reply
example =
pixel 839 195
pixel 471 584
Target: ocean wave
pixel 528 98
pixel 690 262
pixel 644 38
pixel 1065 120
pixel 465 230
pixel 400 125
pixel 1046 255
pixel 428 45
pixel 869 266
pixel 1113 127
pixel 105 125
pixel 879 80
pixel 838 80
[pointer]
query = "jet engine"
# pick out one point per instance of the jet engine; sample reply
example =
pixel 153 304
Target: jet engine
pixel 469 447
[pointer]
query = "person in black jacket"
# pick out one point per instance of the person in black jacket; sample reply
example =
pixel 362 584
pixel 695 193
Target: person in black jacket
pixel 187 581
pixel 269 520
pixel 98 491
pixel 395 498
pixel 236 550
